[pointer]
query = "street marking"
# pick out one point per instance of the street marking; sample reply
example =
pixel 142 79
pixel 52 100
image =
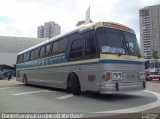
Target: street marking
pixel 65 97
pixel 5 88
pixel 135 109
pixel 25 93
pixel 9 87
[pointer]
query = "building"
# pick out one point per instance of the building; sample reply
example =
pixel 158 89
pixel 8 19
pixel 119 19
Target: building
pixel 10 46
pixel 149 18
pixel 49 30
pixel 82 22
pixel 40 32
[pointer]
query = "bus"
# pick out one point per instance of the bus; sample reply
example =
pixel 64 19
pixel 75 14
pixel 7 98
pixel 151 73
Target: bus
pixel 101 57
pixel 152 68
pixel 6 70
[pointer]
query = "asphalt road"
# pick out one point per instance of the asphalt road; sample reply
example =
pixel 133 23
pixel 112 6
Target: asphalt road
pixel 17 98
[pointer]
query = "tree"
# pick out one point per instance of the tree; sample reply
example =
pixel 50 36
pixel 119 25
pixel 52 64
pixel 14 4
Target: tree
pixel 155 54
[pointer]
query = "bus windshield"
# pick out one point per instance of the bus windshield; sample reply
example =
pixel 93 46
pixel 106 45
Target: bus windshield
pixel 117 42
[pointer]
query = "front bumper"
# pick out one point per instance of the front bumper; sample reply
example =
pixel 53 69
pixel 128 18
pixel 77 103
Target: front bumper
pixel 153 77
pixel 122 87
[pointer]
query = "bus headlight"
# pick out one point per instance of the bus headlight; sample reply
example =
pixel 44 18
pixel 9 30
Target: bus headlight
pixel 142 75
pixel 116 75
pixel 106 76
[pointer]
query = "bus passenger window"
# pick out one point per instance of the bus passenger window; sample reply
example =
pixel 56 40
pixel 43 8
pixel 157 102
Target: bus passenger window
pixel 48 49
pixel 26 57
pixel 36 53
pixel 56 48
pixel 76 49
pixel 89 47
pixel 63 44
pixel 20 59
pixel 42 51
pixel 32 55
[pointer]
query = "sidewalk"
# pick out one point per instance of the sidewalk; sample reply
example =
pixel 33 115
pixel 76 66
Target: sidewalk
pixel 5 83
pixel 153 85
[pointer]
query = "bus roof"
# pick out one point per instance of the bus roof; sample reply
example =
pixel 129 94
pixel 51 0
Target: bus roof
pixel 81 29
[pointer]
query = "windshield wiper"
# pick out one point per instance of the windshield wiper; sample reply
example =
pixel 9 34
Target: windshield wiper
pixel 133 51
pixel 120 53
pixel 129 48
pixel 124 46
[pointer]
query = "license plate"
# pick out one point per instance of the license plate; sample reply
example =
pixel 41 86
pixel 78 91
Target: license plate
pixel 131 75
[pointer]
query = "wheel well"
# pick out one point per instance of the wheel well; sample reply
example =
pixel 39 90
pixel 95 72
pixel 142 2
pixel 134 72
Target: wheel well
pixel 69 78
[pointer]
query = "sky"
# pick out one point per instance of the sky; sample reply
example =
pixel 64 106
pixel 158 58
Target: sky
pixel 21 17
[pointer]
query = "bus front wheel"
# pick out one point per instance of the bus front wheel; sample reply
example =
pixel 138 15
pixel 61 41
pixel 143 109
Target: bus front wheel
pixel 75 85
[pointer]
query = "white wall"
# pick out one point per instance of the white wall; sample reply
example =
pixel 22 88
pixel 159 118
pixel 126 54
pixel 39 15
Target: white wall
pixel 8 58
pixel 10 46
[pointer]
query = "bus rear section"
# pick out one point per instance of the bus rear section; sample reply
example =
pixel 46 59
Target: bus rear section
pixel 123 65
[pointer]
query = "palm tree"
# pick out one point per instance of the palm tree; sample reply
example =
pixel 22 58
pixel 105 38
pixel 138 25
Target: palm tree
pixel 155 54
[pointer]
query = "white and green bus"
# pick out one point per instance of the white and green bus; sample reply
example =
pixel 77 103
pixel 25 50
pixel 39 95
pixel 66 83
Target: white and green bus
pixel 102 57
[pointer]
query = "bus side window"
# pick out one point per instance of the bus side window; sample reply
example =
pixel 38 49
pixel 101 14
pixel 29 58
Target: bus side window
pixel 56 49
pixel 42 51
pixel 89 46
pixel 48 49
pixel 26 57
pixel 34 54
pixel 20 58
pixel 63 44
pixel 59 46
pixel 76 49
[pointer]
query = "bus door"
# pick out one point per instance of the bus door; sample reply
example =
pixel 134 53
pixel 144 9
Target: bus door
pixel 90 54
pixel 83 49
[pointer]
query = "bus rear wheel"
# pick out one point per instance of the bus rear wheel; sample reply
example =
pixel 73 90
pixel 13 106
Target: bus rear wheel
pixel 75 85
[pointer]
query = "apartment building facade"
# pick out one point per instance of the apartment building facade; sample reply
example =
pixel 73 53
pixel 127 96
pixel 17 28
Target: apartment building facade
pixel 149 19
pixel 49 30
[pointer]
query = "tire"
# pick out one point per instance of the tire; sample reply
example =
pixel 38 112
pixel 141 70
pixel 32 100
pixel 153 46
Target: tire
pixel 25 80
pixel 75 85
pixel 148 79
